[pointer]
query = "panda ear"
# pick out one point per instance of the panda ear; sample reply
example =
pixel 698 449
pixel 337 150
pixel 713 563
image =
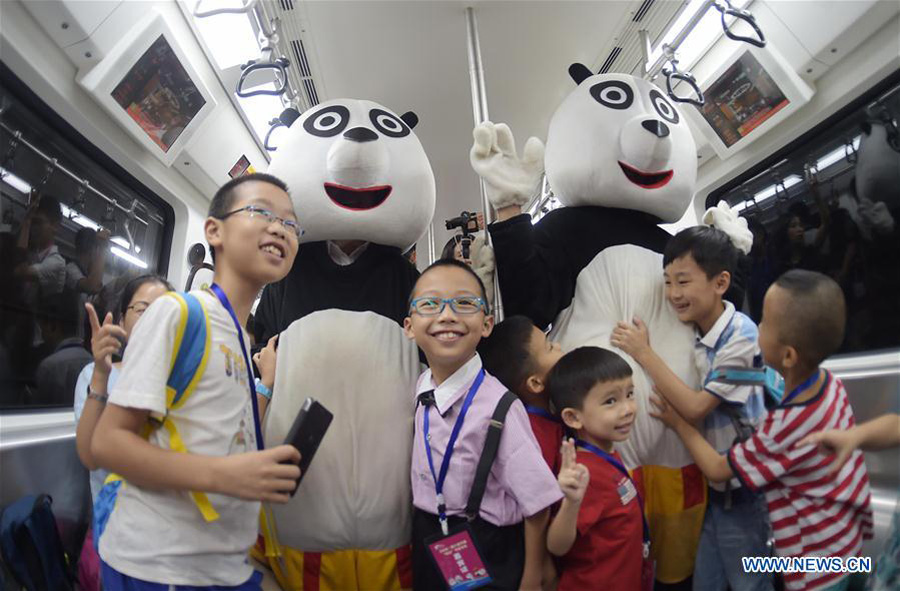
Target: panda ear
pixel 579 73
pixel 410 118
pixel 288 116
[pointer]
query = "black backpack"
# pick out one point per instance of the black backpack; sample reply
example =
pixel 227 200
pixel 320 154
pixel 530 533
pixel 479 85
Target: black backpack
pixel 31 547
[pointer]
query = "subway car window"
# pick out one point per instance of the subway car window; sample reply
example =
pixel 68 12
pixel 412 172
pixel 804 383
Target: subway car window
pixel 71 232
pixel 831 203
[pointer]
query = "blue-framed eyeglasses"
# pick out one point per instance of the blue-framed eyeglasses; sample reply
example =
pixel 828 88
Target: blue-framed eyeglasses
pixel 262 213
pixel 432 306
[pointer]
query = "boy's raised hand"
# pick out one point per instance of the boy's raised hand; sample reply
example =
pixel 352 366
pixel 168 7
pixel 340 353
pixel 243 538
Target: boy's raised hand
pixel 573 477
pixel 665 412
pixel 265 362
pixel 631 337
pixel 839 443
pixel 106 340
pixel 268 475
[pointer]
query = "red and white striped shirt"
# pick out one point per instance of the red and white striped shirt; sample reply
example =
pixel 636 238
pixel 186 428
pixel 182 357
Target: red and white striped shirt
pixel 812 513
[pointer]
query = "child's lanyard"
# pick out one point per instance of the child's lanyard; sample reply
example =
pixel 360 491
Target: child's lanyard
pixel 445 463
pixel 618 466
pixel 793 394
pixel 224 299
pixel 541 412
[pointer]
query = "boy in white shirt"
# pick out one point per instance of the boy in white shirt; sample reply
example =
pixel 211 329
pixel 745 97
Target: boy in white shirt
pixel 190 518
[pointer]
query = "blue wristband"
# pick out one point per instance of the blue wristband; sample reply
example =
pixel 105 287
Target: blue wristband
pixel 262 390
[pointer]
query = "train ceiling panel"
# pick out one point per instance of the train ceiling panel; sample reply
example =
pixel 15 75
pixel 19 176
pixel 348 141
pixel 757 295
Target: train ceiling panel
pixel 69 23
pixel 623 53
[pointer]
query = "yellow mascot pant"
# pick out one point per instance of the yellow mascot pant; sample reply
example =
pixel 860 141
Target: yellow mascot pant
pixel 341 570
pixel 674 502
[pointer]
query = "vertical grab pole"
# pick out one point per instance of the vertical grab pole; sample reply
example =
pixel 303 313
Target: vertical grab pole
pixel 430 238
pixel 480 113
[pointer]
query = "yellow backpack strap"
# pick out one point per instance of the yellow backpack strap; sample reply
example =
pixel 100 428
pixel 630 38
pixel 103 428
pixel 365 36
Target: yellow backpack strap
pixel 190 355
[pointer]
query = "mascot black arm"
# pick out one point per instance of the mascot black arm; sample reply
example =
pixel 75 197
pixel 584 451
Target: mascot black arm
pixel 379 281
pixel 533 269
pixel 539 264
pixel 265 321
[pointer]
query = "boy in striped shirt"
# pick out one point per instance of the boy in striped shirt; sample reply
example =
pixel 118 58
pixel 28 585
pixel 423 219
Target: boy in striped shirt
pixel 813 512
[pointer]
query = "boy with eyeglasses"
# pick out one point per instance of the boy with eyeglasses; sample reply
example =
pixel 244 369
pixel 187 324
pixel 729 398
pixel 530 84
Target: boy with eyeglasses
pixel 188 511
pixel 496 492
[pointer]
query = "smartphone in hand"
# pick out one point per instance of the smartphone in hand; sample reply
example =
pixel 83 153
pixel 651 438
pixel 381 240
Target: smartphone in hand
pixel 307 433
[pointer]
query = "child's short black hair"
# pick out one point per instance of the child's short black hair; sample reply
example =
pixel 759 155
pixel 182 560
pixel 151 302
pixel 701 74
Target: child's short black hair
pixel 814 319
pixel 573 376
pixel 451 263
pixel 223 201
pixel 505 353
pixel 710 248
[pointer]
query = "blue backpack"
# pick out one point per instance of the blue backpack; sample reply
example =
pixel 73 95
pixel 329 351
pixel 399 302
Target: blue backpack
pixel 31 547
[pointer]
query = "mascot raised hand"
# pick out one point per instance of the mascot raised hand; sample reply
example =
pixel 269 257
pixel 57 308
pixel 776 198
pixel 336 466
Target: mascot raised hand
pixel 622 160
pixel 363 190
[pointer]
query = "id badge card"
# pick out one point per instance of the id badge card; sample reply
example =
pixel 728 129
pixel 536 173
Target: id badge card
pixel 458 560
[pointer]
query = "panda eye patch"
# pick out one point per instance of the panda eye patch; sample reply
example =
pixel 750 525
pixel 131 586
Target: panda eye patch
pixel 328 121
pixel 614 94
pixel 662 106
pixel 389 125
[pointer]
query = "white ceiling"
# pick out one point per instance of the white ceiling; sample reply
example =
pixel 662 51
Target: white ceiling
pixel 413 56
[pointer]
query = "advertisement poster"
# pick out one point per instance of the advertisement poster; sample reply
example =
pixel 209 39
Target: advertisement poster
pixel 159 95
pixel 741 99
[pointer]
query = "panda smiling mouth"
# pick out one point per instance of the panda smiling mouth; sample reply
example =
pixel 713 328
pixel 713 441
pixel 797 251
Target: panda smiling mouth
pixel 647 180
pixel 357 199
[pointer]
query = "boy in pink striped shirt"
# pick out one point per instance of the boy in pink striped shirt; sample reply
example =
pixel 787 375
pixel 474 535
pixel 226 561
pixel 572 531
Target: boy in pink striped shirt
pixel 813 511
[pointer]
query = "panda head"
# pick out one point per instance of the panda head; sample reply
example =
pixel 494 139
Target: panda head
pixel 356 171
pixel 618 141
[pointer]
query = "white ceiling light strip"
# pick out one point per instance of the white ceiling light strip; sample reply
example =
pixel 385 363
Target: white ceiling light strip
pixel 127 257
pixel 14 182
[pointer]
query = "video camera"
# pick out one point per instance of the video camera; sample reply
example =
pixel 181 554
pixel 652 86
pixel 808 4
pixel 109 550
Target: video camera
pixel 467 222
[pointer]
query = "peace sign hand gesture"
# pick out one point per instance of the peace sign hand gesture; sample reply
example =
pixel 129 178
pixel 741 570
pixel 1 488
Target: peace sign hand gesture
pixel 105 340
pixel 573 477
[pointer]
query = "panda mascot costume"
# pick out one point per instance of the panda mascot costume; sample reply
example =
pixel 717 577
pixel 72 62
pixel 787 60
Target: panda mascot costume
pixel 364 192
pixel 622 160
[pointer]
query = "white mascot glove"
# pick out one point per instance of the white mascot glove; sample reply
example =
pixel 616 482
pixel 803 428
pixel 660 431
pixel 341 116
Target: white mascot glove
pixel 722 218
pixel 508 179
pixel 482 257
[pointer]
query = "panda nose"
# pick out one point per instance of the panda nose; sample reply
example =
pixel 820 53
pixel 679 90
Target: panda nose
pixel 657 128
pixel 360 134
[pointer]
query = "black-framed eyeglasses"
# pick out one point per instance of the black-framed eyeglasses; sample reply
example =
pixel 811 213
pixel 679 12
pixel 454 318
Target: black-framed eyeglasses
pixel 138 308
pixel 432 306
pixel 262 213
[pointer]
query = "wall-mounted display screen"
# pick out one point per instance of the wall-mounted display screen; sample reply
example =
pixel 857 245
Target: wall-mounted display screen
pixel 159 95
pixel 240 168
pixel 741 99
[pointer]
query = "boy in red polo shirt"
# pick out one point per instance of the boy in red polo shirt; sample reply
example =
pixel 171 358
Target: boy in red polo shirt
pixel 520 355
pixel 599 532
